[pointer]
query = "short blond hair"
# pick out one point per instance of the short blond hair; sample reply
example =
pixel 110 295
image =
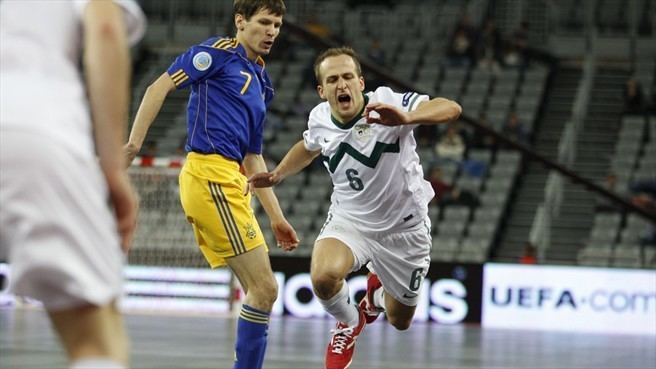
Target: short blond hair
pixel 336 51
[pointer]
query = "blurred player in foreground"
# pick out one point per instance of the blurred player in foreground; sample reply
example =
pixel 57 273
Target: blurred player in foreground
pixel 66 244
pixel 379 212
pixel 230 91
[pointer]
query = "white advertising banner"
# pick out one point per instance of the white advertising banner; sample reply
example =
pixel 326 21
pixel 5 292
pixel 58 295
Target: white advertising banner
pixel 616 301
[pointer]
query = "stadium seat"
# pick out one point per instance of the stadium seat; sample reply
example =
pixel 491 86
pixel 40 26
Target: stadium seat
pixel 456 214
pixel 482 229
pixel 471 257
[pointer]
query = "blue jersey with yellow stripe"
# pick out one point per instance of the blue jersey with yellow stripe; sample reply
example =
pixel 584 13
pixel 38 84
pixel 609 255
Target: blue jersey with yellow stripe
pixel 228 100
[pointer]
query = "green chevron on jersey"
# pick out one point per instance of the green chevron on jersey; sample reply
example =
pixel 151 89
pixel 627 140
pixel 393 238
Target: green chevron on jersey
pixel 370 161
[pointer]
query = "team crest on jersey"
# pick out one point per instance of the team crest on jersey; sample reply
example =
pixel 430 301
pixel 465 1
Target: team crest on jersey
pixel 250 231
pixel 362 131
pixel 202 61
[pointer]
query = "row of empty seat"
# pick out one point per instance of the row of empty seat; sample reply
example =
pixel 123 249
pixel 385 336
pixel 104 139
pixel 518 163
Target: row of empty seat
pixel 615 238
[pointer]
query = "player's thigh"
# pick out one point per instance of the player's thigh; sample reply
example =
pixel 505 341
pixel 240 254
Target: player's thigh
pixel 223 221
pixel 253 269
pixel 339 249
pixel 64 247
pixel 331 259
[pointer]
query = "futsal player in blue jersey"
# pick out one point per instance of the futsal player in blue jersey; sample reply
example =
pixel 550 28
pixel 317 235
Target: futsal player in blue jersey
pixel 230 91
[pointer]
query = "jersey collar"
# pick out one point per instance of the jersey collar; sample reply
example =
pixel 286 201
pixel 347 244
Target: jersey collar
pixel 241 50
pixel 351 123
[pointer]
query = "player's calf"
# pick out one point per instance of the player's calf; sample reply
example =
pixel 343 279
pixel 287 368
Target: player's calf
pixel 400 315
pixel 400 323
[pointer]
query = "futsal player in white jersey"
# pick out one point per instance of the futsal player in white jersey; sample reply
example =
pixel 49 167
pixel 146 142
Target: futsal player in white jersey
pixel 68 210
pixel 379 211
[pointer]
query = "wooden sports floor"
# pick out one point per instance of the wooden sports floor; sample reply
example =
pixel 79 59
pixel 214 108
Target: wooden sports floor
pixel 159 341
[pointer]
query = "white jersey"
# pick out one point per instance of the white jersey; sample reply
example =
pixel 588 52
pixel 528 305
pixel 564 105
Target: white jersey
pixel 378 183
pixel 41 85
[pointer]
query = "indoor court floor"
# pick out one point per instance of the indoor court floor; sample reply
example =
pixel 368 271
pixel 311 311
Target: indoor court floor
pixel 169 341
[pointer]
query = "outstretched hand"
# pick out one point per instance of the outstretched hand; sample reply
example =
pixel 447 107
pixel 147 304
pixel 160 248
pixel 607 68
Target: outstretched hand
pixel 285 235
pixel 264 179
pixel 385 114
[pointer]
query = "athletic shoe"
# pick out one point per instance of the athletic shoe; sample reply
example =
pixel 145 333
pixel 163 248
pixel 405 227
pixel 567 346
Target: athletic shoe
pixel 339 353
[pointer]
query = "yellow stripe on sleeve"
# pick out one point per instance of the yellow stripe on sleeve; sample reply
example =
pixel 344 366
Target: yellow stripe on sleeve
pixel 177 74
pixel 179 77
pixel 181 81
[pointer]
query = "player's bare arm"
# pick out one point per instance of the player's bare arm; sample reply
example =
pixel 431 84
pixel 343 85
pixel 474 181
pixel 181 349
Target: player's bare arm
pixel 435 111
pixel 283 231
pixel 296 159
pixel 107 67
pixel 150 106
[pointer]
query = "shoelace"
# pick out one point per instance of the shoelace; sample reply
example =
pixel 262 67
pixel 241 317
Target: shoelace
pixel 340 336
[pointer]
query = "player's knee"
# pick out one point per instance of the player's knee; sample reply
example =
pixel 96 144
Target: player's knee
pixel 325 285
pixel 401 324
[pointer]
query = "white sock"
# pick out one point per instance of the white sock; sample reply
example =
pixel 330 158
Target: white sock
pixel 96 363
pixel 379 298
pixel 340 307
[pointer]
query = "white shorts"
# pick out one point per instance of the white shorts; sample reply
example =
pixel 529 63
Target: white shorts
pixel 56 224
pixel 400 259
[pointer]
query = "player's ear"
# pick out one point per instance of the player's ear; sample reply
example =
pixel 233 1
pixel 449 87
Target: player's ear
pixel 320 92
pixel 361 83
pixel 239 22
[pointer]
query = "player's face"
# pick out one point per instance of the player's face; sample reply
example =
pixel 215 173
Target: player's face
pixel 341 86
pixel 258 33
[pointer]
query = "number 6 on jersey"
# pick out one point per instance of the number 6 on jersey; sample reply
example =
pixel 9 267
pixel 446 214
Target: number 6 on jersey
pixel 354 181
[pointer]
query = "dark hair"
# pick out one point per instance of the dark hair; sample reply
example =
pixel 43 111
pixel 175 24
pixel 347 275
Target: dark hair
pixel 248 8
pixel 336 51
